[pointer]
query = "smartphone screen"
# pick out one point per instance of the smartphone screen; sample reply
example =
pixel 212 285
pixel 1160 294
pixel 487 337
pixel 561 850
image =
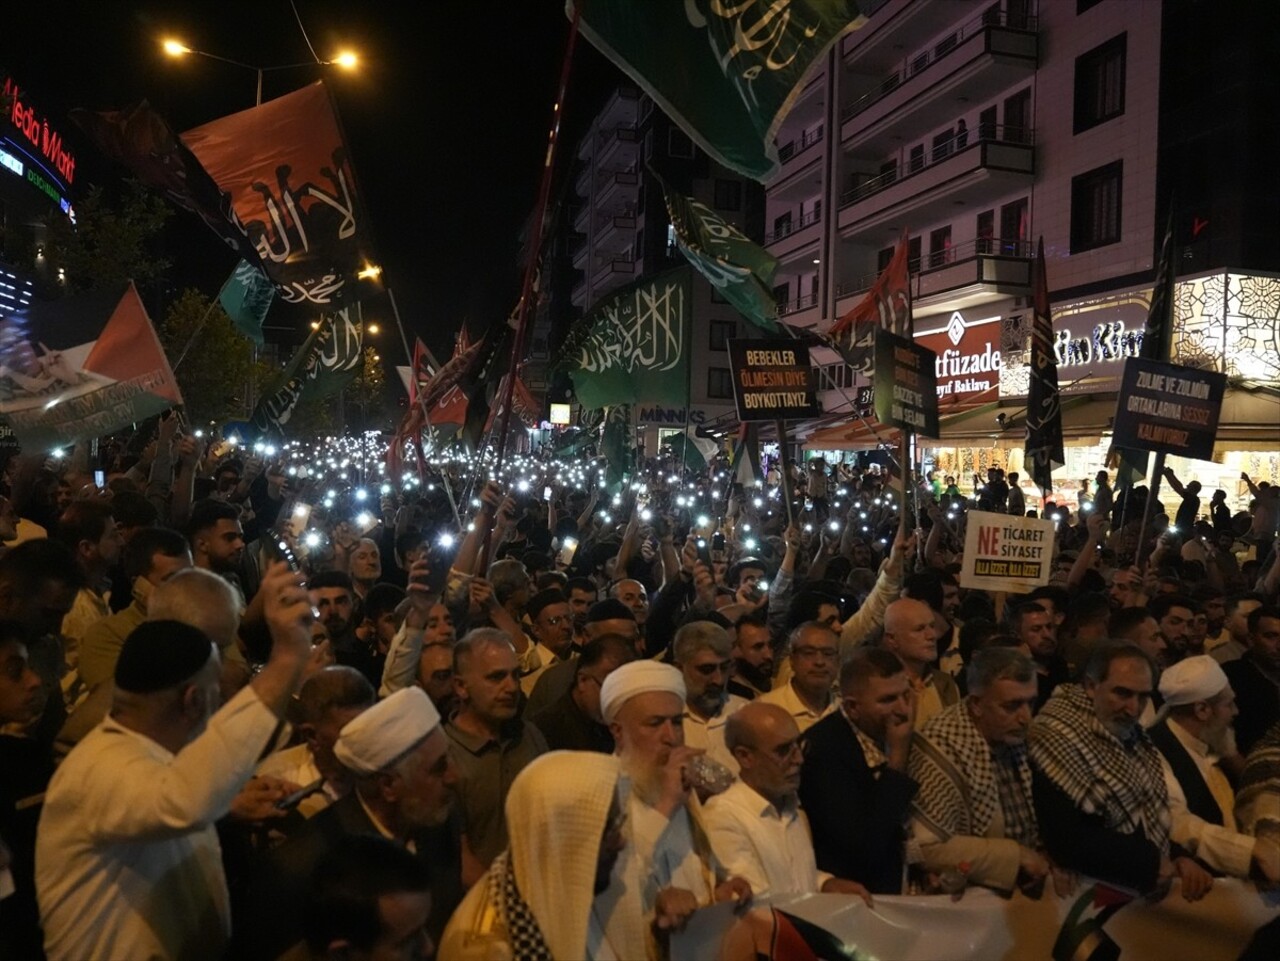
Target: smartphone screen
pixel 546 493
pixel 100 479
pixel 567 550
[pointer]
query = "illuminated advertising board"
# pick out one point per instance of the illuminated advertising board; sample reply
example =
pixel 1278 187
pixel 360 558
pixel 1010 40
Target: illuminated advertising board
pixel 33 148
pixel 968 349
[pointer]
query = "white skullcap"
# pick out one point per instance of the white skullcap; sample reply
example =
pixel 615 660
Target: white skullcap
pixel 373 739
pixel 638 677
pixel 1193 679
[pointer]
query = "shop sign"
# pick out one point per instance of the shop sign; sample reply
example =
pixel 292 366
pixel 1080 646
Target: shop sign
pixel 968 352
pixel 671 415
pixel 1168 408
pixel 1109 341
pixel 33 133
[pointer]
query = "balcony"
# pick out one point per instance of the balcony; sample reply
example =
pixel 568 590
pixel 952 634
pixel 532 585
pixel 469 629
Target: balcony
pixel 790 236
pixel 976 63
pixel 796 148
pixel 618 142
pixel 902 23
pixel 797 305
pixel 622 109
pixel 579 254
pixel 610 271
pixel 616 189
pixel 616 234
pixel 928 183
pixel 961 276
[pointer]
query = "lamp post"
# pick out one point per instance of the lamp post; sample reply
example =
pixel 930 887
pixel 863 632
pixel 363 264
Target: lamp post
pixel 176 48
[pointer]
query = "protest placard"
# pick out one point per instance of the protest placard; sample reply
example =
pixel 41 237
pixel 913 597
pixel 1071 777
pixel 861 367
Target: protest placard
pixel 1003 552
pixel 1168 409
pixel 772 380
pixel 906 384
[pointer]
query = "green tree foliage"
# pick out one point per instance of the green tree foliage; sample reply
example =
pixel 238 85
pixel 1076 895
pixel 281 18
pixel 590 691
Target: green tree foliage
pixel 111 242
pixel 366 401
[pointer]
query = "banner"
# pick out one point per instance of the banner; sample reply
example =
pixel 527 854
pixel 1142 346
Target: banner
pixel 741 270
pixel 727 73
pixel 1004 552
pixel 906 384
pixel 886 306
pixel 246 297
pixel 1044 408
pixel 1093 923
pixel 1168 408
pixel 773 380
pixel 633 346
pixel 81 367
pixel 323 365
pixel 617 444
pixel 289 177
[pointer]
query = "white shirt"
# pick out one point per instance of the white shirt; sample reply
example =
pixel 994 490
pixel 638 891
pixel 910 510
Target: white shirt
pixel 1222 847
pixel 772 849
pixel 707 734
pixel 787 699
pixel 127 858
pixel 298 765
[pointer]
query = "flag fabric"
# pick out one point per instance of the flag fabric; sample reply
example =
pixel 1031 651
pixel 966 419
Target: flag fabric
pixel 1044 406
pixel 886 305
pixel 328 360
pixel 524 406
pixel 727 73
pixel 141 139
pixel 246 297
pixel 746 454
pixel 633 347
pixel 289 178
pixel 693 451
pixel 477 385
pixel 80 367
pixel 435 399
pixel 741 270
pixel 617 446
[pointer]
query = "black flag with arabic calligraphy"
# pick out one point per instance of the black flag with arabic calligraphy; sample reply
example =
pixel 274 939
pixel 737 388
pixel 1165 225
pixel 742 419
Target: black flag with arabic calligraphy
pixel 1044 406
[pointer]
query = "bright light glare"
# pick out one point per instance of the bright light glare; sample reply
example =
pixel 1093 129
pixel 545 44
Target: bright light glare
pixel 446 540
pixel 175 48
pixel 346 60
pixel 312 539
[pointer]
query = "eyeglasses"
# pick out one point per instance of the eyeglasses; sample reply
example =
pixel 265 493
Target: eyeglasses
pixel 554 621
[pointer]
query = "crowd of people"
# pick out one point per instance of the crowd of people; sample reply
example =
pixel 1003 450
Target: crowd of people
pixel 261 703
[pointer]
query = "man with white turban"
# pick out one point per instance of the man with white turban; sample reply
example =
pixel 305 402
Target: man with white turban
pixel 1193 734
pixel 537 899
pixel 668 870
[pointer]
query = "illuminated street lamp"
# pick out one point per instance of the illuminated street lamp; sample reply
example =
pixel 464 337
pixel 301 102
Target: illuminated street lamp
pixel 175 48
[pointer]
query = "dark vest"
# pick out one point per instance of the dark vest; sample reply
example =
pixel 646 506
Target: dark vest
pixel 1200 800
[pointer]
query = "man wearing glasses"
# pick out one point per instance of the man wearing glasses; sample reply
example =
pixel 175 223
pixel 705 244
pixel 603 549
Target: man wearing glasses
pixel 807 695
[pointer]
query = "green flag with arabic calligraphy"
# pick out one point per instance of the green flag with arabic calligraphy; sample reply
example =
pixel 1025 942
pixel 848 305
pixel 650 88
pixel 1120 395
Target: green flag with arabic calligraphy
pixel 633 346
pixel 727 73
pixel 741 270
pixel 246 297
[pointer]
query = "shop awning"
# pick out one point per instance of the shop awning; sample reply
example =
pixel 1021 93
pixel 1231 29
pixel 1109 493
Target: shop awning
pixel 1250 420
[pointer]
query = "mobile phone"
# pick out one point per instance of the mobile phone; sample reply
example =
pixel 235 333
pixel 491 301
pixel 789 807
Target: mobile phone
pixel 546 494
pixel 278 549
pixel 568 547
pixel 704 554
pixel 100 479
pixel 717 541
pixel 290 801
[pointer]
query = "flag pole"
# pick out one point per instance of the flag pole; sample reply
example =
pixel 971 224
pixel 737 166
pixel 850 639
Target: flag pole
pixel 1149 508
pixel 195 335
pixel 784 455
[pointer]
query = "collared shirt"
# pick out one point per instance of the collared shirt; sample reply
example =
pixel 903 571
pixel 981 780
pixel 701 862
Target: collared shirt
pixel 771 848
pixel 127 839
pixel 787 699
pixel 298 765
pixel 707 734
pixel 101 643
pixel 486 768
pixel 1222 846
pixel 543 658
pixel 871 751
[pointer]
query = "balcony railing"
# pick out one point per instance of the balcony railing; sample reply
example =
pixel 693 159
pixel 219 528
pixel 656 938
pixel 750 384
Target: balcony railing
pixel 914 64
pixel 907 164
pixel 789 227
pixel 797 305
pixel 801 143
pixel 937 259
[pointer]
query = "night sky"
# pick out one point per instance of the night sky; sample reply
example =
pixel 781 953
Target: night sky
pixel 446 119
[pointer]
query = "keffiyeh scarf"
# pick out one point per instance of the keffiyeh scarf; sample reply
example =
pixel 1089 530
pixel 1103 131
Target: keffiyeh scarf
pixel 1258 800
pixel 523 933
pixel 1121 782
pixel 964 781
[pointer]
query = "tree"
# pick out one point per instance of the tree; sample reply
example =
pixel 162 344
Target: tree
pixel 365 398
pixel 109 243
pixel 212 361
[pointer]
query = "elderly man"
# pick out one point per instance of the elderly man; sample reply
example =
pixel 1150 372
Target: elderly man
pixel 854 784
pixel 702 652
pixel 756 827
pixel 910 634
pixel 398 760
pixel 489 743
pixel 1193 736
pixel 635 597
pixel 365 567
pixel 1255 677
pixel 609 616
pixel 1101 804
pixel 575 723
pixel 539 898
pixel 806 696
pixel 667 870
pixel 970 761
pixel 127 836
pixel 327 702
pixel 552 624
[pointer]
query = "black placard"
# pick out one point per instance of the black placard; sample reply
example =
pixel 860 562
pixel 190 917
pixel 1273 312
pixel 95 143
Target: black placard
pixel 906 384
pixel 773 380
pixel 1168 409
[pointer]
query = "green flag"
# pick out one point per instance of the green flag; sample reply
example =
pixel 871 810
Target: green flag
pixel 741 270
pixel 617 444
pixel 727 73
pixel 246 297
pixel 633 347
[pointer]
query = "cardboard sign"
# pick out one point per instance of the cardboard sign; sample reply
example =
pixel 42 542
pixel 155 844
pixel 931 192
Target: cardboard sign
pixel 1003 552
pixel 1168 409
pixel 773 380
pixel 906 384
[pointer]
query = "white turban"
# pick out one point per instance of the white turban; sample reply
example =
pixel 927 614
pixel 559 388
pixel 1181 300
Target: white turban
pixel 373 739
pixel 1193 679
pixel 638 677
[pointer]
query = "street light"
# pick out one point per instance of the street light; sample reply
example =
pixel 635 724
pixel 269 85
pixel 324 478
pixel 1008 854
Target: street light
pixel 373 329
pixel 176 48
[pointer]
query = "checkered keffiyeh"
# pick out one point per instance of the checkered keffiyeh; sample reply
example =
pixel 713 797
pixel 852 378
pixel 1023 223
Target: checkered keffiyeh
pixel 1258 798
pixel 523 933
pixel 1121 782
pixel 964 781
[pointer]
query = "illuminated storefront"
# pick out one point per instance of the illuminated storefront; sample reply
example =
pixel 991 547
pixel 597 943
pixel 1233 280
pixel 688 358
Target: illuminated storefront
pixel 37 169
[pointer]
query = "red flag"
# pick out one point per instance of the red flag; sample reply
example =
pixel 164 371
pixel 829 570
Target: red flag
pixel 887 304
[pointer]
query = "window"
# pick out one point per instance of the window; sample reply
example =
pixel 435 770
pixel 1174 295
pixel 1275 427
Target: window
pixel 1015 231
pixel 640 242
pixel 721 330
pixel 913 253
pixel 888 172
pixel 1017 117
pixel 719 382
pixel 942 144
pixel 1095 207
pixel 987 124
pixel 648 145
pixel 986 232
pixel 1083 5
pixel 782 294
pixel 679 145
pixel 1099 91
pixel 883 258
pixel 940 246
pixel 945 46
pixel 728 194
pixel 782 225
pixel 916 161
